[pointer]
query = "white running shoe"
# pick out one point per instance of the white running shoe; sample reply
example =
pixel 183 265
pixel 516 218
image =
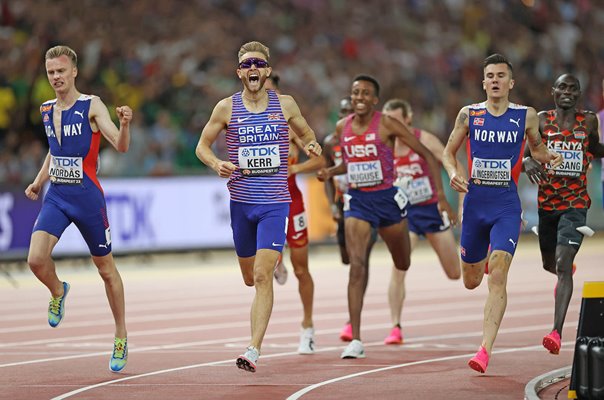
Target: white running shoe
pixel 307 341
pixel 248 360
pixel 354 349
pixel 280 273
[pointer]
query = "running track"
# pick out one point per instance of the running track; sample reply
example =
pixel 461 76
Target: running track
pixel 188 319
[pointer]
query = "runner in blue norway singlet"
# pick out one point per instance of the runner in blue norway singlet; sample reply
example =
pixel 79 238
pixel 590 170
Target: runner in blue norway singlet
pixel 492 209
pixel 75 194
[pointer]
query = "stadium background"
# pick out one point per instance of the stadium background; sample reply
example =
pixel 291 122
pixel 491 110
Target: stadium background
pixel 172 61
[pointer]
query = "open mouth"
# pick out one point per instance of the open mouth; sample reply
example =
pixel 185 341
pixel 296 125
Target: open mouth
pixel 254 77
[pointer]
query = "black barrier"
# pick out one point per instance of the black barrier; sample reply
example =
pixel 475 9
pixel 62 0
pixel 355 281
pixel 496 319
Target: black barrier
pixel 587 378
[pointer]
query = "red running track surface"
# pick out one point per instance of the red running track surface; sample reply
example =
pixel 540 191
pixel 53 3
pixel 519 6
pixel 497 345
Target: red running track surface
pixel 188 319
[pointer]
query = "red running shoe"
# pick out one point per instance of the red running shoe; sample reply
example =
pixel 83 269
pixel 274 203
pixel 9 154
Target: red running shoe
pixel 552 342
pixel 395 337
pixel 346 333
pixel 480 361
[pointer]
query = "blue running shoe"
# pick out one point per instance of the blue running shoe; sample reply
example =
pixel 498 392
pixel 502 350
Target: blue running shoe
pixel 119 357
pixel 56 307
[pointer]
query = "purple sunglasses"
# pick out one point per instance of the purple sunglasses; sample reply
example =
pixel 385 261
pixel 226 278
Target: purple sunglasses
pixel 258 62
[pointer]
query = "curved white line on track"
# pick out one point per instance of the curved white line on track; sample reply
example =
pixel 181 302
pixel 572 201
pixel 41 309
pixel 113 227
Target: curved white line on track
pixel 307 389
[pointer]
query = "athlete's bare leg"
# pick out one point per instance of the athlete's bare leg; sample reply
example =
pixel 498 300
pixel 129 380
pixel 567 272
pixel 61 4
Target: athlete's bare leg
pixel 396 289
pixel 445 247
pixel 494 308
pixel 565 256
pixel 396 237
pixel 306 286
pixel 41 263
pixel 115 291
pixel 262 279
pixel 358 237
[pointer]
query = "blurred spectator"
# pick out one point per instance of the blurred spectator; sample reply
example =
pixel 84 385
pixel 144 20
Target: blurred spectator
pixel 171 62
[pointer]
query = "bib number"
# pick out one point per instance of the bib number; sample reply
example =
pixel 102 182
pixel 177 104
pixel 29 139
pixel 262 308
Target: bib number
pixel 491 172
pixel 66 170
pixel 259 160
pixel 365 173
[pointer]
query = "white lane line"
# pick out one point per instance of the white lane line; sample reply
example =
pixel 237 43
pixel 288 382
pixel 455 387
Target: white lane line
pixel 416 323
pixel 307 389
pixel 321 350
pixel 236 310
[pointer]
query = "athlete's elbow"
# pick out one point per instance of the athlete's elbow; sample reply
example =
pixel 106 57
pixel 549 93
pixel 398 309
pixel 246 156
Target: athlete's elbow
pixel 123 147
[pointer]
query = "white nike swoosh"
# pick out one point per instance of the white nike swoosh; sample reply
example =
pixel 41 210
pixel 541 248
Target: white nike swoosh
pixel 348 138
pixel 297 236
pixel 276 244
pixel 240 120
pixel 571 242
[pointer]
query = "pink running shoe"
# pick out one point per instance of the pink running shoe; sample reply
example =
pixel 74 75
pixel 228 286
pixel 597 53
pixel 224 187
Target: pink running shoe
pixel 395 337
pixel 552 342
pixel 346 333
pixel 574 270
pixel 480 361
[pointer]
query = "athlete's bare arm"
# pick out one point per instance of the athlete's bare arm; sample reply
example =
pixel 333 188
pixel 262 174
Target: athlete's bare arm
pixel 595 147
pixel 219 119
pixel 456 138
pixel 298 124
pixel 330 187
pixel 538 150
pixel 33 190
pixel 325 174
pixel 99 116
pixel 532 168
pixel 311 165
pixel 436 147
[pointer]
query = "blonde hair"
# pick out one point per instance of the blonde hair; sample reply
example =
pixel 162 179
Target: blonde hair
pixel 253 47
pixel 58 51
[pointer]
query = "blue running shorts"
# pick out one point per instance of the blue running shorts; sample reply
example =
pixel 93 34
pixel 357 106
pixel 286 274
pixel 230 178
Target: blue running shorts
pixel 380 208
pixel 85 207
pixel 424 219
pixel 489 221
pixel 258 226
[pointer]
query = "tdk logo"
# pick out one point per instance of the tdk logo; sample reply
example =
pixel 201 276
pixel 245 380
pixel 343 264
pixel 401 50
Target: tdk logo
pixel 259 151
pixel 492 164
pixel 66 162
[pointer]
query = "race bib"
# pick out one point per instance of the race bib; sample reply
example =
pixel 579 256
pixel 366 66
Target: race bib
pixel 347 198
pixel 417 190
pixel 491 172
pixel 572 164
pixel 259 160
pixel 365 173
pixel 300 222
pixel 66 170
pixel 401 199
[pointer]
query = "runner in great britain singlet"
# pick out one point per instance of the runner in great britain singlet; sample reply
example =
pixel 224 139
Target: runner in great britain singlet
pixel 258 144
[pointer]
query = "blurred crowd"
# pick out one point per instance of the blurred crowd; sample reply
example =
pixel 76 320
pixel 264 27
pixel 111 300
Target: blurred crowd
pixel 171 61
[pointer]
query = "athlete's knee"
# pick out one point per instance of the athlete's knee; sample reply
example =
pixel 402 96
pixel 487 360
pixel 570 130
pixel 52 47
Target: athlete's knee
pixel 471 282
pixel 453 273
pixel 497 278
pixel 37 261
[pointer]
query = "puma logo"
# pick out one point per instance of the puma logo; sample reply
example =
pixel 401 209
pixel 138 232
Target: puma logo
pixel 516 122
pixel 80 113
pixel 513 243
